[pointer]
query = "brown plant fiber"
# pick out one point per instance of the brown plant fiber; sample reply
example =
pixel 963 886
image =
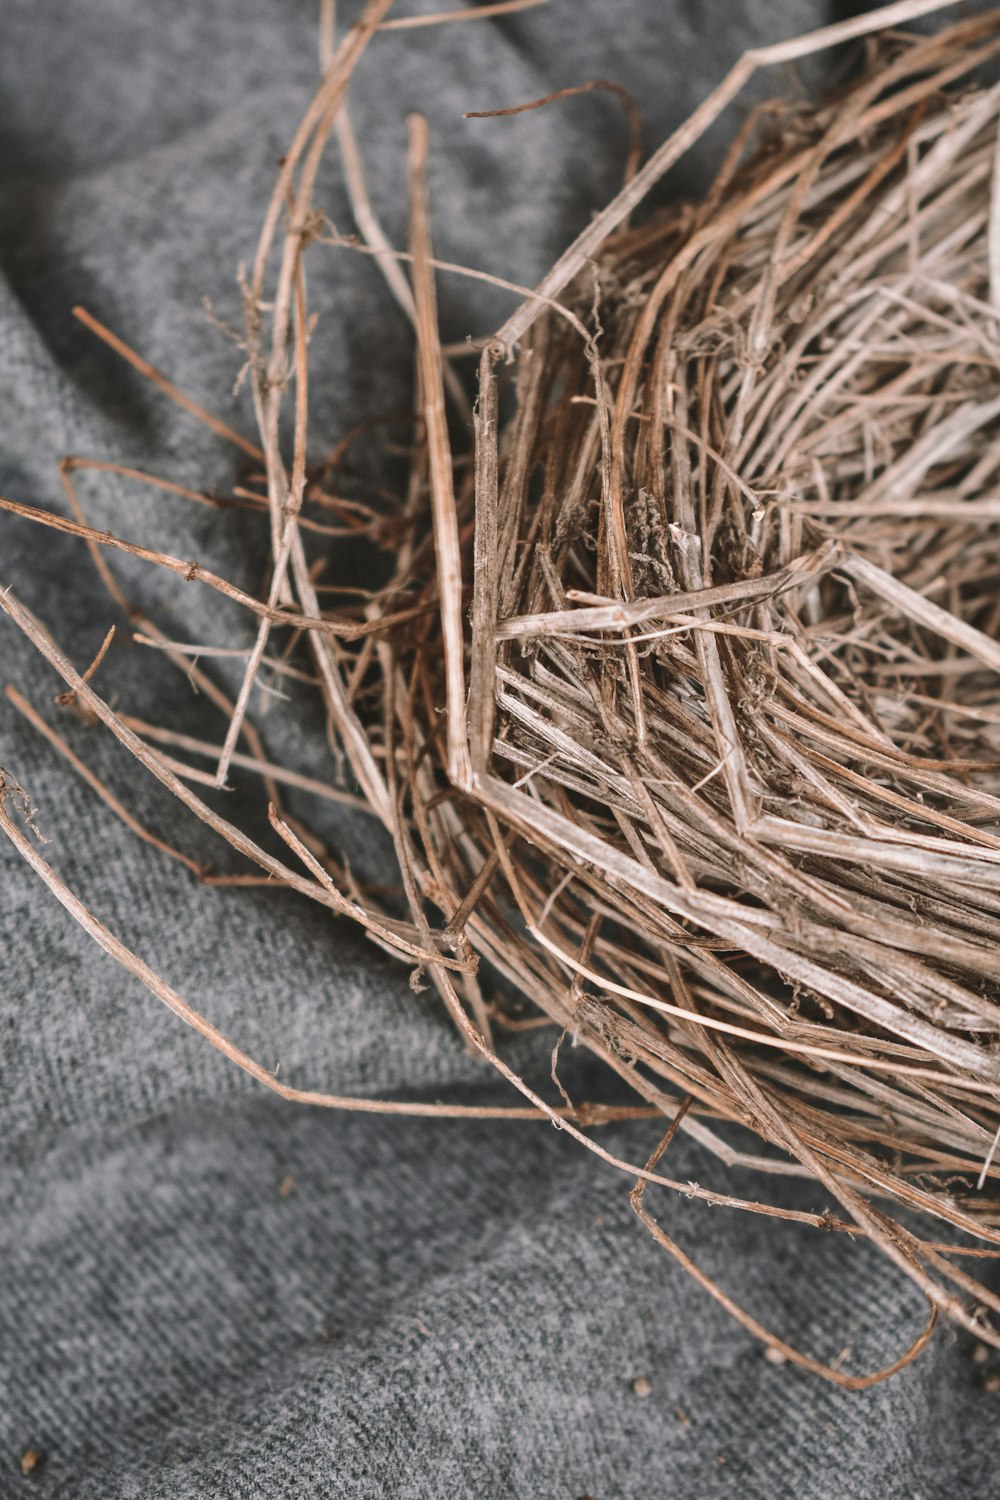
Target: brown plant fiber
pixel 680 702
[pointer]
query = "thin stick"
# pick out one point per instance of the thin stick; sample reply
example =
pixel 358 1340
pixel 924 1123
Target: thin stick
pixel 604 84
pixel 166 386
pixel 193 572
pixel 265 768
pixel 477 13
pixel 96 784
pixel 449 566
pixel 173 1001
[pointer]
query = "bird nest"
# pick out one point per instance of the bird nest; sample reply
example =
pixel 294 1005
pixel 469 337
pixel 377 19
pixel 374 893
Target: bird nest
pixel 680 704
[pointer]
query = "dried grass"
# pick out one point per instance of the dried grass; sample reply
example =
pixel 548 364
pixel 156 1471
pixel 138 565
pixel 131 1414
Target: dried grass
pixel 679 706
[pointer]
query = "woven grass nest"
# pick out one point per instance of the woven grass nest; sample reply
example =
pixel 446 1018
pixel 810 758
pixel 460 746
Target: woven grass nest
pixel 680 703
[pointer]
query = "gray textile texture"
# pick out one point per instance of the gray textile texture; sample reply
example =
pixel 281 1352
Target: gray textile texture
pixel 205 1292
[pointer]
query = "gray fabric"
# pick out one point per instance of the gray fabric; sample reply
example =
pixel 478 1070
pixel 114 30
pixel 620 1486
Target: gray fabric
pixel 427 1309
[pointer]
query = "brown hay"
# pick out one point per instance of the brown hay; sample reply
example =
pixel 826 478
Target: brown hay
pixel 681 709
